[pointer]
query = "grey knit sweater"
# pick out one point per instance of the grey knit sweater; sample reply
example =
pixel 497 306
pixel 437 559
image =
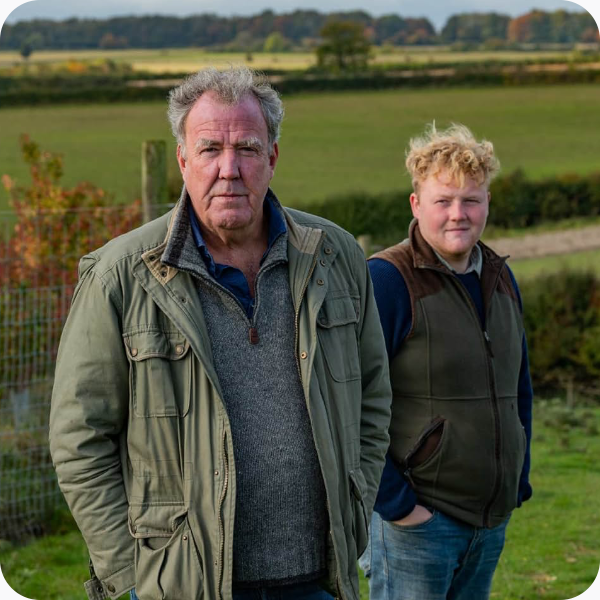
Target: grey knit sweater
pixel 281 517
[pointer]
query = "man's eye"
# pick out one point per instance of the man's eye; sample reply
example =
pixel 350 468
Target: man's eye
pixel 246 150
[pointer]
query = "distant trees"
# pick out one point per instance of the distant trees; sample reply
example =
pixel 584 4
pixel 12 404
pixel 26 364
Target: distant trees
pixel 394 30
pixel 475 28
pixel 558 27
pixel 276 42
pixel 32 42
pixel 25 50
pixel 298 29
pixel 344 48
pixel 109 41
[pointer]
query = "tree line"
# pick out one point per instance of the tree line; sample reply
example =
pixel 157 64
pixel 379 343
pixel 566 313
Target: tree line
pixel 296 30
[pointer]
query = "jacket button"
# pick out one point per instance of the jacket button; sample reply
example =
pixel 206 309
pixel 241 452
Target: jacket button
pixel 303 355
pixel 179 349
pixel 151 258
pixel 111 588
pixel 185 538
pixel 320 282
pixel 328 251
pixel 134 352
pixel 216 473
pixel 323 263
pixel 163 273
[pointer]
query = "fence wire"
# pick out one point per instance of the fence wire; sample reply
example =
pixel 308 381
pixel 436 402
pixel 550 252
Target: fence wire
pixel 38 273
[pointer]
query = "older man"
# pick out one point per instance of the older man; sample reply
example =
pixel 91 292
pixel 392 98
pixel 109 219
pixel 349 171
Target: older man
pixel 461 415
pixel 220 412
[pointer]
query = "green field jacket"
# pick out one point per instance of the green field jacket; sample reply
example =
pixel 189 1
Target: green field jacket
pixel 139 434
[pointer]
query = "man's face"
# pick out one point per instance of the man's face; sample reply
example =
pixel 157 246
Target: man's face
pixel 451 217
pixel 227 168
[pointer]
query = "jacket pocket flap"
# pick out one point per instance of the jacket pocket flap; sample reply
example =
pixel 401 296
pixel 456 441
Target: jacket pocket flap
pixel 155 520
pixel 155 344
pixel 337 310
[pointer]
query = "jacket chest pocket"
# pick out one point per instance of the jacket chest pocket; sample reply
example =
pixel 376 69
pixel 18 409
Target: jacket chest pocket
pixel 337 322
pixel 160 373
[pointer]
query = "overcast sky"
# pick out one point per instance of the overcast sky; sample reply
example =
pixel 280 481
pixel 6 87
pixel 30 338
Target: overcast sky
pixel 437 11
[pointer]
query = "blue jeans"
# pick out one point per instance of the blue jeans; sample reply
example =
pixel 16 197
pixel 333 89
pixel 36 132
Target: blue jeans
pixel 440 559
pixel 303 591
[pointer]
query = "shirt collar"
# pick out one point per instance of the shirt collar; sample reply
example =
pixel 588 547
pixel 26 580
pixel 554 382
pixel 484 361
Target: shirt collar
pixel 277 227
pixel 475 261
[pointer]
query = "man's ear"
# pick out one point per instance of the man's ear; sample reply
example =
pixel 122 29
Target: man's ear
pixel 489 197
pixel 415 206
pixel 180 160
pixel 273 158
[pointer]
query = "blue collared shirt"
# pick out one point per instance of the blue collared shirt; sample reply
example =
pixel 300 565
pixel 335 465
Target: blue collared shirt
pixel 230 277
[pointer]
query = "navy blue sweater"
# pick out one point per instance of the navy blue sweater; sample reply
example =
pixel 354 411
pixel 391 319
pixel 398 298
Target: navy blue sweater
pixel 396 498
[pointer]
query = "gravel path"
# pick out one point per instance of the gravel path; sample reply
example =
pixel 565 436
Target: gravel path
pixel 546 244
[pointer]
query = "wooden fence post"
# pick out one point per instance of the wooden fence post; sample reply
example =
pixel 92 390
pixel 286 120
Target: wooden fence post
pixel 154 177
pixel 364 241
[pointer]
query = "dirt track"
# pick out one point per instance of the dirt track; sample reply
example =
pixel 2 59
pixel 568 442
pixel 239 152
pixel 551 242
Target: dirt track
pixel 546 244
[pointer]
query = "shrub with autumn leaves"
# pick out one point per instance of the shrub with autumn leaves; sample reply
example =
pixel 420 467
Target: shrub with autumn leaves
pixel 56 225
pixel 52 226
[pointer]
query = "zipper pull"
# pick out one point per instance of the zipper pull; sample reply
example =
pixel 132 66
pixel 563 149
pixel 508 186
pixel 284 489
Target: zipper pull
pixel 488 343
pixel 253 335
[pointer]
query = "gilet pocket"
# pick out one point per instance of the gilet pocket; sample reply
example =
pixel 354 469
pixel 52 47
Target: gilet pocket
pixel 160 373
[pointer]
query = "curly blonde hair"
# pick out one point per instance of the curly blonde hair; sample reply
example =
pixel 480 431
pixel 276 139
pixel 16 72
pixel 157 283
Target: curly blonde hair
pixel 455 151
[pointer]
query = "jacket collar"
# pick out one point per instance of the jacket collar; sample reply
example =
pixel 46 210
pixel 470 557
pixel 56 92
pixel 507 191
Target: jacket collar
pixel 425 257
pixel 178 251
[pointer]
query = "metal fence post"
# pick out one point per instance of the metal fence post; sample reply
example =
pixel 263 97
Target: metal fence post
pixel 154 177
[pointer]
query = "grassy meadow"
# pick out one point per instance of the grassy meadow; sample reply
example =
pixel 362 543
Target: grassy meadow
pixel 180 60
pixel 335 143
pixel 532 267
pixel 332 143
pixel 552 550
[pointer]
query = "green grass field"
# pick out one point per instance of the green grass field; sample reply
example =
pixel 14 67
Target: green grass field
pixel 552 550
pixel 331 143
pixel 583 261
pixel 177 60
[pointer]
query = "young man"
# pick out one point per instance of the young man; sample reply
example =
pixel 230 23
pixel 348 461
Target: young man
pixel 221 407
pixel 458 462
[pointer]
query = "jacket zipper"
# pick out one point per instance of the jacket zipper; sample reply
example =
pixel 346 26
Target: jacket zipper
pixel 297 312
pixel 296 336
pixel 489 355
pixel 497 449
pixel 221 559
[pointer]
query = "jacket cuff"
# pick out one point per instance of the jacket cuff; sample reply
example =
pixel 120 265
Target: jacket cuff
pixel 113 586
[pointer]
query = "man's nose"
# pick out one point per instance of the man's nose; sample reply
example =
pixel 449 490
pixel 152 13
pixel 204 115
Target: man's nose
pixel 228 164
pixel 457 210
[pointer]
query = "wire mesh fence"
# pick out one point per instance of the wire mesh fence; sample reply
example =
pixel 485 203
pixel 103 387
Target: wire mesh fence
pixel 39 253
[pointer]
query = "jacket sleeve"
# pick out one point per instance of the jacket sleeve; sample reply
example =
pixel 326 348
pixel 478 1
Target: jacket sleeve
pixel 525 408
pixel 395 498
pixel 88 420
pixel 376 389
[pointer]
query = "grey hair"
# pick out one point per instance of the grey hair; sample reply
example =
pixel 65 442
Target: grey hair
pixel 231 86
